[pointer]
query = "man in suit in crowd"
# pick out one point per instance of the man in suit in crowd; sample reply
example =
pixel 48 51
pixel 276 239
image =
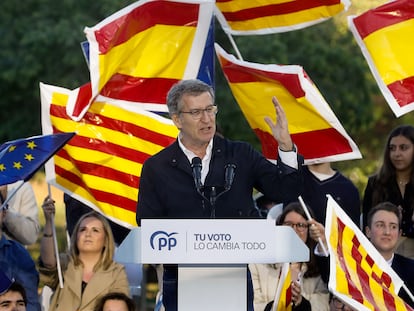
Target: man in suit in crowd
pixel 384 229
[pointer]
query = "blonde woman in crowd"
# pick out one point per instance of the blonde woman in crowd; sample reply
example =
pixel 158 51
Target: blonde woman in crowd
pixel 88 268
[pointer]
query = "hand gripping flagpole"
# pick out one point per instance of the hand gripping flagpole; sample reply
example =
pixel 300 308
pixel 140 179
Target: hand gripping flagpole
pixel 55 244
pixel 310 218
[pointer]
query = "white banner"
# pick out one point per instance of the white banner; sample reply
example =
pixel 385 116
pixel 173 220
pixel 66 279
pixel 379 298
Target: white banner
pixel 219 241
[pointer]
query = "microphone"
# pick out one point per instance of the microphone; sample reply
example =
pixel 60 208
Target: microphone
pixel 196 166
pixel 229 176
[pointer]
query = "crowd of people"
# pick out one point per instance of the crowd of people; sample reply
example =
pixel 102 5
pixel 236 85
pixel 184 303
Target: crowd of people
pixel 205 175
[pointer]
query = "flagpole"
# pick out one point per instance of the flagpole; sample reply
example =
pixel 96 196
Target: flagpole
pixel 8 198
pixel 233 43
pixel 279 286
pixel 310 218
pixel 408 292
pixel 277 292
pixel 59 269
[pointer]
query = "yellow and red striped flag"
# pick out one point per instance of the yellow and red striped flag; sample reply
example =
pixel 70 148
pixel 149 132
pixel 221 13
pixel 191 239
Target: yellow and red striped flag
pixel 101 165
pixel 385 36
pixel 312 124
pixel 139 52
pixel 283 295
pixel 359 275
pixel 256 17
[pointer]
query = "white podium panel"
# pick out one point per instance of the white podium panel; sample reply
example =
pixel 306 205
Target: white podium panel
pixel 213 287
pixel 212 255
pixel 219 241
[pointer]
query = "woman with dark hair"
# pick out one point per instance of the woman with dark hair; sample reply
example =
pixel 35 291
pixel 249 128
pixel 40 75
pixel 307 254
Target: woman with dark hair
pixel 394 182
pixel 88 268
pixel 309 292
pixel 115 301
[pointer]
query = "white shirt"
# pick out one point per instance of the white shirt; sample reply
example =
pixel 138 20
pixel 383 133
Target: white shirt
pixel 288 157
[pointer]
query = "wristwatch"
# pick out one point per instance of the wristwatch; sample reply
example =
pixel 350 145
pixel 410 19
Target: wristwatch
pixel 293 149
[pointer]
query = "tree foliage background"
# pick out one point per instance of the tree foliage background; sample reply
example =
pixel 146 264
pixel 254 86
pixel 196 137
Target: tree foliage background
pixel 40 42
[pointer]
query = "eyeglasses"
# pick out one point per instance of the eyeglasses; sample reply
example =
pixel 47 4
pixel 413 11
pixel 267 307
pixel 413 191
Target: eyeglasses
pixel 300 226
pixel 197 114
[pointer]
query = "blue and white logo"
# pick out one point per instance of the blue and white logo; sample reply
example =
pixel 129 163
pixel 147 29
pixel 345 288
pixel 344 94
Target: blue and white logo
pixel 162 240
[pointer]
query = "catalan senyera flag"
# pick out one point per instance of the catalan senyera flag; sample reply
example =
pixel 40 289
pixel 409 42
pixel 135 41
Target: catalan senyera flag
pixel 359 275
pixel 139 52
pixel 385 36
pixel 312 124
pixel 256 17
pixel 101 165
pixel 283 295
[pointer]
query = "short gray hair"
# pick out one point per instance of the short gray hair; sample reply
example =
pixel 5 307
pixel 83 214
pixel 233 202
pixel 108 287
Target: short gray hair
pixel 192 87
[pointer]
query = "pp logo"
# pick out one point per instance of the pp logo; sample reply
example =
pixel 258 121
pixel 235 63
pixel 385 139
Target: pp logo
pixel 161 240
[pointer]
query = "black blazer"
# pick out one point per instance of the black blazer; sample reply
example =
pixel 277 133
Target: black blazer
pixel 167 188
pixel 391 192
pixel 404 267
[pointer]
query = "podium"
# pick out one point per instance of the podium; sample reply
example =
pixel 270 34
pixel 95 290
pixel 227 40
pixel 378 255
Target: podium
pixel 212 256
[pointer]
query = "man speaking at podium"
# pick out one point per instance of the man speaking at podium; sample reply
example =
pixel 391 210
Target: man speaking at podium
pixel 203 175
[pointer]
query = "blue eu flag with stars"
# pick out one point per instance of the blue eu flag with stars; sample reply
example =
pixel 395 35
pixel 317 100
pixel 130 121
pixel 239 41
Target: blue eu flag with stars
pixel 21 158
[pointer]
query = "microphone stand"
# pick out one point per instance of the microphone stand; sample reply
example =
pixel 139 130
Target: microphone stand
pixel 228 177
pixel 213 199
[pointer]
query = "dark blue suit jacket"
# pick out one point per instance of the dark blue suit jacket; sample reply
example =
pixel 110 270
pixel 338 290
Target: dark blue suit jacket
pixel 167 188
pixel 404 267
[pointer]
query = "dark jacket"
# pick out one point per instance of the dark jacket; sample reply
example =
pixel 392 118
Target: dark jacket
pixel 167 188
pixel 17 263
pixel 391 193
pixel 404 267
pixel 342 190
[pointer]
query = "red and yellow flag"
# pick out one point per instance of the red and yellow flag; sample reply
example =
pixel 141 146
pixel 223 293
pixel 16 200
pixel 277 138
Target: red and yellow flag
pixel 241 17
pixel 359 275
pixel 283 295
pixel 385 36
pixel 101 165
pixel 139 52
pixel 312 124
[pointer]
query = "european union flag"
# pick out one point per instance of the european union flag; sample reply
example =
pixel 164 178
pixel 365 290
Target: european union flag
pixel 21 158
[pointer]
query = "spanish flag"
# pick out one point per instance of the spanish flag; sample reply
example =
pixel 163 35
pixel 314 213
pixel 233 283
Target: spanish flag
pixel 139 52
pixel 359 275
pixel 257 17
pixel 385 36
pixel 312 124
pixel 101 165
